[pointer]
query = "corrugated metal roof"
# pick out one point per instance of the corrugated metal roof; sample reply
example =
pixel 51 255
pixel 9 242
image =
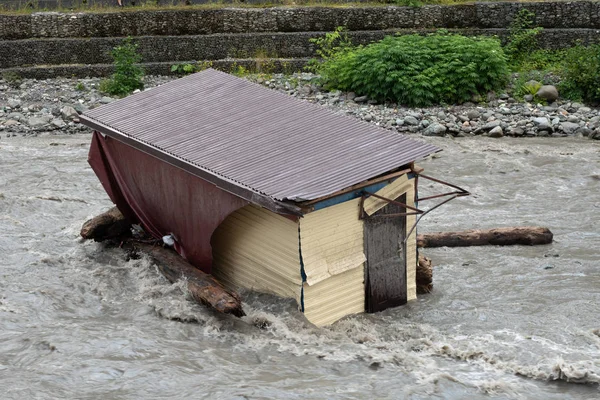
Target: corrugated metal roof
pixel 262 140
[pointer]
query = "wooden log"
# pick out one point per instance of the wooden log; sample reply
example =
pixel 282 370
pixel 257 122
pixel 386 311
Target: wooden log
pixel 525 235
pixel 424 275
pixel 109 225
pixel 203 287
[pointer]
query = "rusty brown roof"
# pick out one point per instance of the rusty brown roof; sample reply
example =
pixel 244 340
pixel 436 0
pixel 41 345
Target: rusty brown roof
pixel 246 135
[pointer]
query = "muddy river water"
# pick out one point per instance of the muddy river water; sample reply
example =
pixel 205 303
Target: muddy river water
pixel 79 321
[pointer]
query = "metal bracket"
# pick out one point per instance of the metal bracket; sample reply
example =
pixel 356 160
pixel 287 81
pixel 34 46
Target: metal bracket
pixel 459 192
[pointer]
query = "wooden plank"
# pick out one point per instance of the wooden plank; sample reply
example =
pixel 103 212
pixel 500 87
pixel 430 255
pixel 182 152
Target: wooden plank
pixel 386 258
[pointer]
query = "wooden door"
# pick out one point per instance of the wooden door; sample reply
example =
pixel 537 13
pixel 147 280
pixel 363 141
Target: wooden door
pixel 386 258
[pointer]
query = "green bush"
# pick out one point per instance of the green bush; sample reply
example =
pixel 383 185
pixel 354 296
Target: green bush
pixel 332 45
pixel 522 39
pixel 187 68
pixel 419 70
pixel 128 76
pixel 581 73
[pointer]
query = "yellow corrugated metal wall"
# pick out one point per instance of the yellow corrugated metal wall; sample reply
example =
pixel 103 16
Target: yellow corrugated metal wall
pixel 333 298
pixel 331 242
pixel 257 249
pixel 260 250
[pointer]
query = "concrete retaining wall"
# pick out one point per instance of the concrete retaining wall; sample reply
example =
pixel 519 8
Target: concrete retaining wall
pixel 230 33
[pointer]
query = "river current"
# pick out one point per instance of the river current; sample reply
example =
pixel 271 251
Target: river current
pixel 78 321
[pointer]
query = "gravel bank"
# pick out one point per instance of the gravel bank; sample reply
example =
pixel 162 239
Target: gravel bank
pixel 52 106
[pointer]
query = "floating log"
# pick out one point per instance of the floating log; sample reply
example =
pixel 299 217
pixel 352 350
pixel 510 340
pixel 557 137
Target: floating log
pixel 203 287
pixel 525 235
pixel 424 275
pixel 109 225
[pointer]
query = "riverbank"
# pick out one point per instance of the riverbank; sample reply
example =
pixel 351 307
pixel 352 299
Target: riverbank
pixel 43 107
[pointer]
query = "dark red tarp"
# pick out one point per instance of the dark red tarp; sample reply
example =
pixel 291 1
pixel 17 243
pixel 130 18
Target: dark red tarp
pixel 164 199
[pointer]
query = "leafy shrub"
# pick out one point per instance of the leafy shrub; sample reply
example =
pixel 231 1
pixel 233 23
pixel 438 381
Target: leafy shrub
pixel 522 40
pixel 12 78
pixel 183 69
pixel 527 83
pixel 419 70
pixel 331 45
pixel 542 60
pixel 128 76
pixel 581 74
pixel 187 68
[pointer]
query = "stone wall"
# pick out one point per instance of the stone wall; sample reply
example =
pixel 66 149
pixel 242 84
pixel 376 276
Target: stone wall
pixel 54 39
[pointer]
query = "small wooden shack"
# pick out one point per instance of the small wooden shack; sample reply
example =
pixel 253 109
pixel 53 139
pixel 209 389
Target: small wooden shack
pixel 267 192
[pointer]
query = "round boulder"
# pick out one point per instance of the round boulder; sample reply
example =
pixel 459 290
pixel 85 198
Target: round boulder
pixel 547 92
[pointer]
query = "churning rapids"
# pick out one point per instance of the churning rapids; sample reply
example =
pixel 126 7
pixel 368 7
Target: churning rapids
pixel 79 321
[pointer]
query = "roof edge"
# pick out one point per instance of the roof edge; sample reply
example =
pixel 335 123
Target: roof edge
pixel 222 183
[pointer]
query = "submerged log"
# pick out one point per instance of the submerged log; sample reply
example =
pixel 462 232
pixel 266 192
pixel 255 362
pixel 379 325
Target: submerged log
pixel 525 235
pixel 203 287
pixel 109 225
pixel 424 275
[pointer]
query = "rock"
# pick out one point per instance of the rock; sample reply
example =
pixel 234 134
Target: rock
pixel 569 127
pixel 372 102
pixel 360 99
pixel 17 116
pixel 542 124
pixel 59 123
pixel 69 112
pixel 453 129
pixel 14 103
pixel 36 122
pixel 350 96
pixel 410 120
pixel 306 90
pixel 547 92
pixel 491 125
pixel 572 118
pixel 11 122
pixel 584 110
pixel 516 131
pixel 528 97
pixel 473 114
pixel 106 100
pixel 435 129
pixel 368 118
pixel 496 132
pixel 424 123
pixel 399 122
pixel 80 108
pixel 504 96
pixel 583 131
pixel 595 134
pixel 576 106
